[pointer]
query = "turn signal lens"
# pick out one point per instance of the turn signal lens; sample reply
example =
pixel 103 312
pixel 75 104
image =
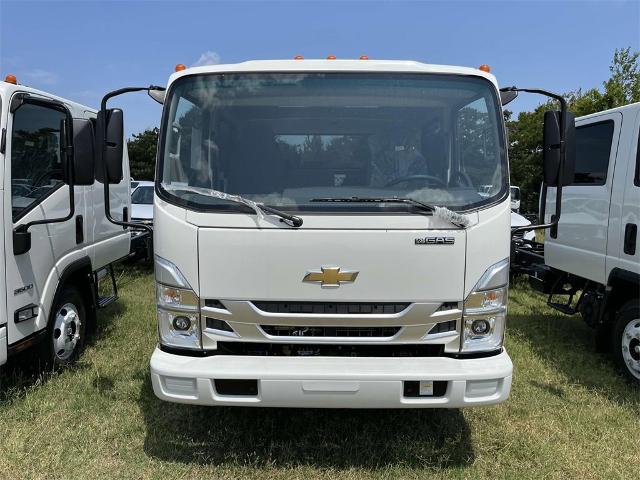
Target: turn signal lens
pixel 180 67
pixel 489 299
pixel 176 298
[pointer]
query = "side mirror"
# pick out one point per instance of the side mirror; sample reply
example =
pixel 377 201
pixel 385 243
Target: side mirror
pixel 552 137
pixel 83 152
pixel 110 149
pixel 507 96
pixel 157 95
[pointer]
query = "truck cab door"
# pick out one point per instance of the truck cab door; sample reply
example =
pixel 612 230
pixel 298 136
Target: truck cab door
pixel 625 253
pixel 581 243
pixel 34 190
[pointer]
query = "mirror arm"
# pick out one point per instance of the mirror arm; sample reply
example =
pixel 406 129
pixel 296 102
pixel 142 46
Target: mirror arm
pixel 103 147
pixel 555 218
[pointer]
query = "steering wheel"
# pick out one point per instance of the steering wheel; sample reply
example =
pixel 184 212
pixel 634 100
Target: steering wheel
pixel 427 179
pixel 46 175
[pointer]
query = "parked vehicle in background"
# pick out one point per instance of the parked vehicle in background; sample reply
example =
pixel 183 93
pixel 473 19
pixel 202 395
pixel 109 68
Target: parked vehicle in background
pixel 57 242
pixel 320 235
pixel 593 259
pixel 142 202
pixel 518 220
pixel 142 213
pixel 515 198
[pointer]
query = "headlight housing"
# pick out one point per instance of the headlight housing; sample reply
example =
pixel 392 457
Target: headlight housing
pixel 178 307
pixel 485 310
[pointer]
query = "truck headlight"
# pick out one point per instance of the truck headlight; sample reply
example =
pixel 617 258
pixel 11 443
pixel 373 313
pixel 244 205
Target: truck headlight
pixel 485 310
pixel 178 308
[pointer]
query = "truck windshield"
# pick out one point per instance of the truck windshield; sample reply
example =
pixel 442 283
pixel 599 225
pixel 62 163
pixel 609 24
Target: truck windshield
pixel 284 139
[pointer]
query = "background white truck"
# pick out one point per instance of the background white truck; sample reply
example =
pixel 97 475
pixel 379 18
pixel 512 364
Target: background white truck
pixel 56 240
pixel 320 239
pixel 593 260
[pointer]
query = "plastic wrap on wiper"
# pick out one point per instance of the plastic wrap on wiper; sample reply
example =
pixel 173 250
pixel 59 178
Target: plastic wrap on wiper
pixel 441 212
pixel 259 208
pixel 409 201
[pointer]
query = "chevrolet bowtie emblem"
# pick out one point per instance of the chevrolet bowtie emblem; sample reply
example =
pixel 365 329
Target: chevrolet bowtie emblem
pixel 330 276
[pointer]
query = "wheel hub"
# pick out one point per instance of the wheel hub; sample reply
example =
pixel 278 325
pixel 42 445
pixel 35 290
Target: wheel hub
pixel 66 331
pixel 631 347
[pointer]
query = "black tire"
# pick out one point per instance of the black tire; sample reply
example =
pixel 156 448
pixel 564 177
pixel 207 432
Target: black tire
pixel 626 349
pixel 63 328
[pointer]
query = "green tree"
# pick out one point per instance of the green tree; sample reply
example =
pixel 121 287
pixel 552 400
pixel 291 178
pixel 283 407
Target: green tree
pixel 525 133
pixel 142 154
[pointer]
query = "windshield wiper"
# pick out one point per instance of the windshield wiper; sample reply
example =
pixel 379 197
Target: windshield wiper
pixel 442 212
pixel 409 201
pixel 291 220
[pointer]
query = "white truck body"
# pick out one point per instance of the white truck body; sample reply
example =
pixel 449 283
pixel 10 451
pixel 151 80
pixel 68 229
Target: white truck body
pixel 595 255
pixel 253 288
pixel 597 209
pixel 60 252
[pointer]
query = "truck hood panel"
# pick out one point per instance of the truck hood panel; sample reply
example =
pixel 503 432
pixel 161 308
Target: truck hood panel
pixel 270 264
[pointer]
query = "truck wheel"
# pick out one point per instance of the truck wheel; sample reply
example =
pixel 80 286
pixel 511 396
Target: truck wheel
pixel 66 330
pixel 626 340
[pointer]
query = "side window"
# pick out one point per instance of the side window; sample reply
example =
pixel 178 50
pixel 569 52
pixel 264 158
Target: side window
pixel 478 148
pixel 36 157
pixel 593 149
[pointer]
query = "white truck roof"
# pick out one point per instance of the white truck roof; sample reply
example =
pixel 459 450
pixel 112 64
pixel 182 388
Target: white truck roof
pixel 623 109
pixel 7 89
pixel 322 65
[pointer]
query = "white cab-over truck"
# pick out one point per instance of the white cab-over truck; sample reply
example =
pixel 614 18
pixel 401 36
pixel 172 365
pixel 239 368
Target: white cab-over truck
pixel 332 233
pixel 593 259
pixel 56 240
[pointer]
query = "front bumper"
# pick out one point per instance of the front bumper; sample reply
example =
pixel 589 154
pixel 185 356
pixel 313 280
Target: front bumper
pixel 332 382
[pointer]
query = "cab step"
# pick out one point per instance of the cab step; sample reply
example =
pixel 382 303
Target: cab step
pixel 563 307
pixel 103 301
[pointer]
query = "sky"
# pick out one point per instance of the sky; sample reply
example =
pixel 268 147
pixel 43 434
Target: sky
pixel 81 50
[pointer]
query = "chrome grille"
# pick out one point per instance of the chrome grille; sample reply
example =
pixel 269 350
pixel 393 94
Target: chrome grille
pixel 328 308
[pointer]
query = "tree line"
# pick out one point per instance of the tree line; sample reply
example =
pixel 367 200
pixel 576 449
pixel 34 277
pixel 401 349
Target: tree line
pixel 524 132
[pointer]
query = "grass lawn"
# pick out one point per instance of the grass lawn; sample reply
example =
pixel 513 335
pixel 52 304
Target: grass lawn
pixel 569 416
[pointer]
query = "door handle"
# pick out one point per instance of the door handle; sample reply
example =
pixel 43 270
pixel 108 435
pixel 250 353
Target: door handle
pixel 630 236
pixel 79 229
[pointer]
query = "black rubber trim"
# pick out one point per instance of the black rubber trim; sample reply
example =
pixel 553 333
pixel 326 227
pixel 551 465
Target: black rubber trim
pixel 26 342
pixel 185 352
pixel 626 275
pixel 209 353
pixel 474 355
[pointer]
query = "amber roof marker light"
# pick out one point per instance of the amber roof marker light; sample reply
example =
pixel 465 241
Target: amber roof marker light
pixel 364 57
pixel 331 57
pixel 298 57
pixel 180 67
pixel 485 68
pixel 11 79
